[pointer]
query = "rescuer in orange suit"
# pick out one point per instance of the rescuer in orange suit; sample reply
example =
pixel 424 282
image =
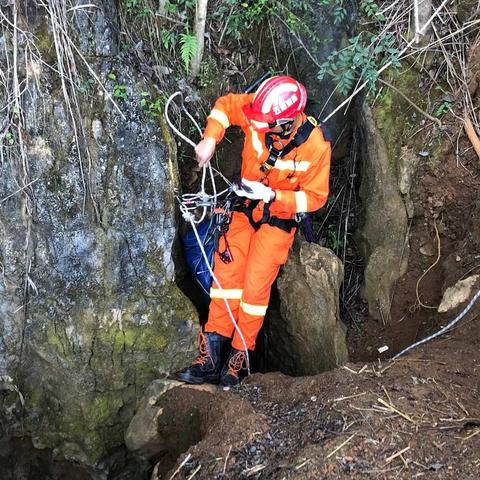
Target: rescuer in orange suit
pixel 276 190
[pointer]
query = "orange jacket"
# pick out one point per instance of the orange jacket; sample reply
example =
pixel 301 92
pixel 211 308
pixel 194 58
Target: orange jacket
pixel 300 179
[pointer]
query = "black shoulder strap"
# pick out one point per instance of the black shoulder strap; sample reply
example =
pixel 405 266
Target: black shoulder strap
pixel 301 136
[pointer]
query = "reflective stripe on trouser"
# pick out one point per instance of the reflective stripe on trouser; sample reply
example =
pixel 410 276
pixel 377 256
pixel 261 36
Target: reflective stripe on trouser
pixel 257 257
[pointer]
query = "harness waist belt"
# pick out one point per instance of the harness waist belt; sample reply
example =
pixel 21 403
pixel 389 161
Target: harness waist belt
pixel 284 224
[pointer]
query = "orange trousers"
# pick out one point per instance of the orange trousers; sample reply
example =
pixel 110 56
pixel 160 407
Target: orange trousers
pixel 246 281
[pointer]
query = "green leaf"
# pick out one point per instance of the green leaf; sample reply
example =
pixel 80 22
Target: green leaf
pixel 9 138
pixel 188 48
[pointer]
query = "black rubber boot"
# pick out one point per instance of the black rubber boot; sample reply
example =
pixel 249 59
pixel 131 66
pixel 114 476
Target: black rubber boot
pixel 234 368
pixel 207 366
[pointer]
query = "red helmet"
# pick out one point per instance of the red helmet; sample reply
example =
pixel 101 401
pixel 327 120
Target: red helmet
pixel 277 98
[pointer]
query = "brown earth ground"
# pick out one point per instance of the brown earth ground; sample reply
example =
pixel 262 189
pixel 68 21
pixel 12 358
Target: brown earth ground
pixel 446 200
pixel 418 417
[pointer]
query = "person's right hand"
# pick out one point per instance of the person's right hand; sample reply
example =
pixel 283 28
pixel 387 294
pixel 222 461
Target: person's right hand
pixel 204 150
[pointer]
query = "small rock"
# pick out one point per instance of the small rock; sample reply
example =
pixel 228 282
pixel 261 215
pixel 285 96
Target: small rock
pixel 457 294
pixel 447 98
pixel 162 69
pixel 313 398
pixel 97 129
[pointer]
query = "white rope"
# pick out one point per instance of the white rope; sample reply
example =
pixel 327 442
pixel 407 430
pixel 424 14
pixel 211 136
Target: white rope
pixel 172 126
pixel 203 200
pixel 443 329
pixel 189 202
pixel 188 217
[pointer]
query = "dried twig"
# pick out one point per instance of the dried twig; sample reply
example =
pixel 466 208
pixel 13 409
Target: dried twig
pixel 476 432
pixel 19 190
pixel 298 467
pixel 226 459
pixel 349 369
pixel 340 446
pixel 394 409
pixel 255 469
pixel 472 135
pixel 395 455
pixel 414 105
pixel 348 397
pixel 185 460
pixel 195 472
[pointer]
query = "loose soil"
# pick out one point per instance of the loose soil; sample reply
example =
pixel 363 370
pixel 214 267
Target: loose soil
pixel 446 201
pixel 418 417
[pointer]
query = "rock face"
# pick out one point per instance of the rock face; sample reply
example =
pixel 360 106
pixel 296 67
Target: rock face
pixel 142 435
pixel 89 309
pixel 308 338
pixel 382 243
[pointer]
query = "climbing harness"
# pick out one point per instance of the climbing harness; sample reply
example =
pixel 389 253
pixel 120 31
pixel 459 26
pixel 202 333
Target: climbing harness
pixel 442 330
pixel 189 203
pixel 247 207
pixel 277 149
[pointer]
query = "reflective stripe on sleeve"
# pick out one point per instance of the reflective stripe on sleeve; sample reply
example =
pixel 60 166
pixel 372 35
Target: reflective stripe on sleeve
pixel 220 117
pixel 259 310
pixel 301 201
pixel 256 143
pixel 301 166
pixel 230 294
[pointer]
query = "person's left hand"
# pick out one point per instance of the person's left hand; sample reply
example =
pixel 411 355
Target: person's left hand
pixel 254 190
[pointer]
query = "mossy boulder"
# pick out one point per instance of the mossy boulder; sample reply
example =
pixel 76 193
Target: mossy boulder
pixel 383 244
pixel 90 312
pixel 392 154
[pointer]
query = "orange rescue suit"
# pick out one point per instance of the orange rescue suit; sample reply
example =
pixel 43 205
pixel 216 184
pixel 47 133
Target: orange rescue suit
pixel 300 181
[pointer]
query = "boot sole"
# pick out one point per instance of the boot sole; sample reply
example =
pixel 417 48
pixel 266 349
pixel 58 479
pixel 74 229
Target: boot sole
pixel 228 384
pixel 192 380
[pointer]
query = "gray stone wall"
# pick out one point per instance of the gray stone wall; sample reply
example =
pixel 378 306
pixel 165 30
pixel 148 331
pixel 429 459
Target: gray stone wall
pixel 89 309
